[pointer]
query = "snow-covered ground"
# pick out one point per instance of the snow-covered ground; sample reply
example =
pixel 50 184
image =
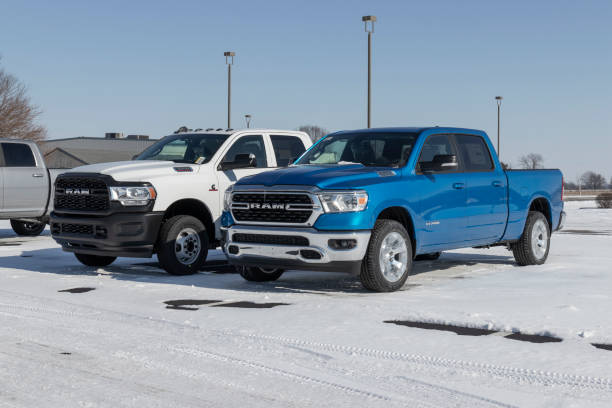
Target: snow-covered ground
pixel 327 344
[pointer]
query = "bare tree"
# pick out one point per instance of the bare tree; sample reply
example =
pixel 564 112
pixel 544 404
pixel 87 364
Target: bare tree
pixel 592 181
pixel 315 132
pixel 531 161
pixel 17 114
pixel 506 166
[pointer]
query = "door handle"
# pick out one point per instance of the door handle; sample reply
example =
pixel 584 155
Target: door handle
pixel 37 175
pixel 458 186
pixel 497 184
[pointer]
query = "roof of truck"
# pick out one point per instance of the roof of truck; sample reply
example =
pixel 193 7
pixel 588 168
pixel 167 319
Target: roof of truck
pixel 411 129
pixel 232 131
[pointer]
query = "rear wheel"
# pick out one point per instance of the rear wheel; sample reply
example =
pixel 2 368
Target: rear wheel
pixel 256 274
pixel 182 246
pixel 533 246
pixel 95 260
pixel 388 258
pixel 26 228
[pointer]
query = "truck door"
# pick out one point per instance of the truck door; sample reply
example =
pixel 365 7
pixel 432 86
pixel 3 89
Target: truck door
pixel 442 196
pixel 486 190
pixel 286 148
pixel 252 145
pixel 25 181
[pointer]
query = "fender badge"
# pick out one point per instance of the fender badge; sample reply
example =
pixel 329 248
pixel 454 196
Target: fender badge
pixel 183 169
pixel 213 188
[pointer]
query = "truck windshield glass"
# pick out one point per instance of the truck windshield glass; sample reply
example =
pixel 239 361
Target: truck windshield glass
pixel 369 149
pixel 193 148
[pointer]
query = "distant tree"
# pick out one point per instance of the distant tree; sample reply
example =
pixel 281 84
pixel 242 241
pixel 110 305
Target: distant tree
pixel 592 181
pixel 506 166
pixel 17 114
pixel 531 161
pixel 315 132
pixel 570 186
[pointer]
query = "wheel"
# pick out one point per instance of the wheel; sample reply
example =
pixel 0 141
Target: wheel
pixel 533 246
pixel 428 257
pixel 388 259
pixel 255 274
pixel 182 245
pixel 95 260
pixel 28 229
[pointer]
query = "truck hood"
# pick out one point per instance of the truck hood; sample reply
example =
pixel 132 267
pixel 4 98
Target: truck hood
pixel 135 170
pixel 347 176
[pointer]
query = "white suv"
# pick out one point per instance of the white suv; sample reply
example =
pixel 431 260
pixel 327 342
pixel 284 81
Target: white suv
pixel 168 200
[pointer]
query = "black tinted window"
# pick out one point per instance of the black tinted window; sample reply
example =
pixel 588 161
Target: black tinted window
pixel 18 155
pixel 436 145
pixel 252 145
pixel 287 149
pixel 474 153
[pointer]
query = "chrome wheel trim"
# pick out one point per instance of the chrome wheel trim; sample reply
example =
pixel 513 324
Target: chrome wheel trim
pixel 539 239
pixel 393 257
pixel 187 246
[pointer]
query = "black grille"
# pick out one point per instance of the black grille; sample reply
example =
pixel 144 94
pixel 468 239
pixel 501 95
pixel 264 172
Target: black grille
pixel 97 198
pixel 76 229
pixel 272 215
pixel 291 240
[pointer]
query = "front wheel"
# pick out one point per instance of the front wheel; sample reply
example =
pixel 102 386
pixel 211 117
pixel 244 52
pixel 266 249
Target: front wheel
pixel 388 258
pixel 95 260
pixel 533 246
pixel 182 245
pixel 256 274
pixel 27 229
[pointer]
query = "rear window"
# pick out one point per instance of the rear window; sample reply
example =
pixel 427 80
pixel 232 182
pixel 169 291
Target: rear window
pixel 18 155
pixel 287 149
pixel 474 153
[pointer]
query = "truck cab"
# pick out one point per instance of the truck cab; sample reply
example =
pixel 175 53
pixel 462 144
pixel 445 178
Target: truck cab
pixel 168 200
pixel 371 201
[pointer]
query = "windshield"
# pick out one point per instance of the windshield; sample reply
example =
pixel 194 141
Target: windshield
pixel 192 148
pixel 369 149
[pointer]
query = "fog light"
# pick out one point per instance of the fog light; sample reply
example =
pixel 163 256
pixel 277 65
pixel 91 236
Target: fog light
pixel 342 243
pixel 233 249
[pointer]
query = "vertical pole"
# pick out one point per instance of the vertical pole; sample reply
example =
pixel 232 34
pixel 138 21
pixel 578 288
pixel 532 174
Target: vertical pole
pixel 498 114
pixel 229 96
pixel 369 79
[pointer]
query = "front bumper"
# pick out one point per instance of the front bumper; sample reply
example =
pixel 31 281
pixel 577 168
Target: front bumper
pixel 293 256
pixel 120 234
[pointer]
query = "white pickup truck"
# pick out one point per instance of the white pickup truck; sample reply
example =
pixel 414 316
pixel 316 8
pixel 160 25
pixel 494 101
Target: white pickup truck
pixel 168 200
pixel 26 186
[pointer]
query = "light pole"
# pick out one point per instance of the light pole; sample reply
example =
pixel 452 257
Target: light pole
pixel 369 28
pixel 247 118
pixel 229 61
pixel 498 99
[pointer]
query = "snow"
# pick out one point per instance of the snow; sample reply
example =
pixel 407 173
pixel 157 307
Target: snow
pixel 329 345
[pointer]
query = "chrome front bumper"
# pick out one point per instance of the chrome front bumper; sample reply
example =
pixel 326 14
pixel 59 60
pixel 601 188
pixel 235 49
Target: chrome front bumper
pixel 290 256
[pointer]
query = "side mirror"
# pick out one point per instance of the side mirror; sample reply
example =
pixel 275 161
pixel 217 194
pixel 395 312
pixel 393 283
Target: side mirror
pixel 241 161
pixel 440 162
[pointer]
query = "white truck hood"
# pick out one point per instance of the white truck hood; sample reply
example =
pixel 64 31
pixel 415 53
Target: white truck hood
pixel 135 170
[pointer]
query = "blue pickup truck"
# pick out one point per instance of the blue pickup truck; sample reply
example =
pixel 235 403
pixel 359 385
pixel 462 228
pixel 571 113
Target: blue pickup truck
pixel 372 201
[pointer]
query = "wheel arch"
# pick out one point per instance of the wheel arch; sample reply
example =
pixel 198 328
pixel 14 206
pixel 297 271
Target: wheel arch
pixel 195 208
pixel 542 205
pixel 403 216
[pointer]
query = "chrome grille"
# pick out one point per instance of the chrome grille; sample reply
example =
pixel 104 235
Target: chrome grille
pixel 272 207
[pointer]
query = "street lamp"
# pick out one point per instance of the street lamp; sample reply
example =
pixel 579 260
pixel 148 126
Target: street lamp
pixel 247 118
pixel 369 28
pixel 229 61
pixel 498 99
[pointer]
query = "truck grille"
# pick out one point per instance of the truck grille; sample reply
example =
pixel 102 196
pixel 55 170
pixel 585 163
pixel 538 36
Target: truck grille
pixel 290 240
pixel 81 194
pixel 272 207
pixel 73 229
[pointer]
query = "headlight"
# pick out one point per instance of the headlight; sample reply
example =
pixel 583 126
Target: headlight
pixel 227 199
pixel 344 202
pixel 133 195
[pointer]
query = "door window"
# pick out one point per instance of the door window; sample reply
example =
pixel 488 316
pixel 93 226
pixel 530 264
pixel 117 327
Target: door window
pixel 253 145
pixel 436 145
pixel 474 153
pixel 287 149
pixel 18 155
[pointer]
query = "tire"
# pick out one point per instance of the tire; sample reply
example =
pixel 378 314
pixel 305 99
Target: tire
pixel 533 246
pixel 255 274
pixel 381 249
pixel 182 246
pixel 428 257
pixel 27 229
pixel 95 260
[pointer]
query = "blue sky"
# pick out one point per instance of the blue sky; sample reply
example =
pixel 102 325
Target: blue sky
pixel 150 66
